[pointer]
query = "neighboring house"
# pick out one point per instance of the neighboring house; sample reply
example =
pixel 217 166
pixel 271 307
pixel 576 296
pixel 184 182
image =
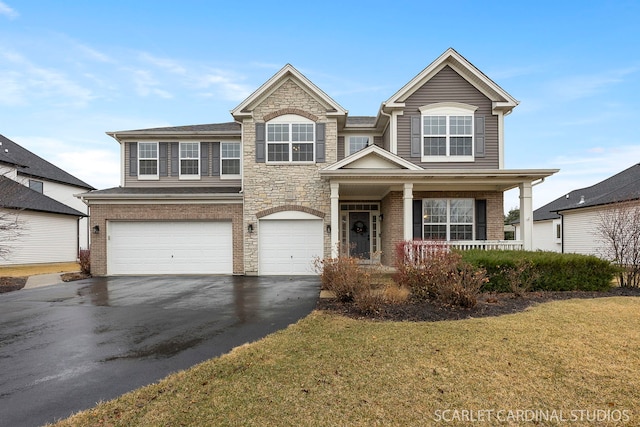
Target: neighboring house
pixel 568 224
pixel 53 222
pixel 294 178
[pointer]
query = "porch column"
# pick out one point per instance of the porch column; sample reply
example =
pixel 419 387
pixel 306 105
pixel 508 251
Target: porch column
pixel 335 220
pixel 526 216
pixel 408 212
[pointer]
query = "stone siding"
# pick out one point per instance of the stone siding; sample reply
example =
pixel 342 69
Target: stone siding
pixel 271 186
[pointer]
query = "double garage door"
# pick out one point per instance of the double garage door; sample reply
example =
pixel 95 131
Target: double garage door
pixel 169 247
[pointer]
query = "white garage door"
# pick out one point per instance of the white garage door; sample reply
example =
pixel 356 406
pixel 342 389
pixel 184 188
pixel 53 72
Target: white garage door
pixel 157 247
pixel 289 247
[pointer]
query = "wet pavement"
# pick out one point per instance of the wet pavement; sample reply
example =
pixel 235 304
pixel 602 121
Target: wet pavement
pixel 63 348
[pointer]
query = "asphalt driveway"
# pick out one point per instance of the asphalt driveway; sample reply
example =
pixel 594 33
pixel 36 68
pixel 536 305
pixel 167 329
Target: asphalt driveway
pixel 65 347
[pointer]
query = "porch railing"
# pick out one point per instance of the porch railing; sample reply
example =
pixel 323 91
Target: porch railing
pixel 419 250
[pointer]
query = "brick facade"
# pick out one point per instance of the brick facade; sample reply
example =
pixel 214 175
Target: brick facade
pixel 392 209
pixel 101 213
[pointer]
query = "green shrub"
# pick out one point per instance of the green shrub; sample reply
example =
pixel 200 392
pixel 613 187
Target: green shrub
pixel 551 271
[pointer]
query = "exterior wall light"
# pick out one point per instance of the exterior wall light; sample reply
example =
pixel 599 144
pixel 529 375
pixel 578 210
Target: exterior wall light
pixel 381 217
pixel 328 228
pixel 250 228
pixel 96 229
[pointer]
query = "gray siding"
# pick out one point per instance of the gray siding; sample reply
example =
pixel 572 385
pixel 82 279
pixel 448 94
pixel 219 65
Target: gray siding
pixel 208 180
pixel 449 86
pixel 386 139
pixel 341 149
pixel 377 140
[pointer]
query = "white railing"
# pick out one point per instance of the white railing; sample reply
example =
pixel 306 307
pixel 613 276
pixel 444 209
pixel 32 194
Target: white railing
pixel 488 245
pixel 419 250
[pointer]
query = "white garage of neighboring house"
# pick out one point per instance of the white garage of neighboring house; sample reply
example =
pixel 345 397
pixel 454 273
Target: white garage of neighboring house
pixel 289 243
pixel 47 230
pixel 169 247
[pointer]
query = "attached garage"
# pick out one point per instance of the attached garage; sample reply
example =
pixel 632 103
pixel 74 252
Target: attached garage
pixel 169 247
pixel 289 246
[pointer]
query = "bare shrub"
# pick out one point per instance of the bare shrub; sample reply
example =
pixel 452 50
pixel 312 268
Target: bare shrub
pixel 521 277
pixel 433 272
pixel 619 229
pixel 84 256
pixel 343 276
pixel 395 294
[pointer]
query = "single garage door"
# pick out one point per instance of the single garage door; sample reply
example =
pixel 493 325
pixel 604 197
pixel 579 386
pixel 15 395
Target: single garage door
pixel 169 247
pixel 289 247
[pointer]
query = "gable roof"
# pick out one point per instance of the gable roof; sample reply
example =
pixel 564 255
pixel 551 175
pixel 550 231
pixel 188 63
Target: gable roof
pixel 32 165
pixel 18 196
pixel 621 187
pixel 388 159
pixel 502 101
pixel 286 73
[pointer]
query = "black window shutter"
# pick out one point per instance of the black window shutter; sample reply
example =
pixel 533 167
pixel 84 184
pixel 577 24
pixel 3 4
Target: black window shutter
pixel 175 158
pixel 479 136
pixel 416 136
pixel 320 143
pixel 133 159
pixel 164 156
pixel 417 219
pixel 481 220
pixel 215 150
pixel 260 143
pixel 204 158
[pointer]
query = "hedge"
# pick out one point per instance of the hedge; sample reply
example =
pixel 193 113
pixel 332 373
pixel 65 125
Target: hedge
pixel 554 271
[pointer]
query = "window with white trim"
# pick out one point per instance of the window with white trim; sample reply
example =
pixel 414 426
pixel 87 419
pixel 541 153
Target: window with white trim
pixel 230 159
pixel 290 139
pixel 36 186
pixel 148 160
pixel 447 132
pixel 189 160
pixel 357 143
pixel 448 219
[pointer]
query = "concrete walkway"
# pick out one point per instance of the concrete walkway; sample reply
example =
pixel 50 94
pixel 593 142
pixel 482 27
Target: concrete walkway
pixel 40 280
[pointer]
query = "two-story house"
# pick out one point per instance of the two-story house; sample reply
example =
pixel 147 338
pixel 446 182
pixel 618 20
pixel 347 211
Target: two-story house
pixel 53 223
pixel 293 178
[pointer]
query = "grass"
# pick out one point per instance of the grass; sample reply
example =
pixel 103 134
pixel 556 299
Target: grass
pixel 331 370
pixel 32 269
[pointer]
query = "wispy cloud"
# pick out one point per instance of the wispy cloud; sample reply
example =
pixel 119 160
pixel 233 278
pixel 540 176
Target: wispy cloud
pixel 147 85
pixel 166 64
pixel 28 81
pixel 575 87
pixel 7 11
pixel 223 84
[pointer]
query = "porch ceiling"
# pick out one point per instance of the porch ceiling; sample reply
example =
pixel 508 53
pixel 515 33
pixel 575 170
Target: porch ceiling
pixel 370 182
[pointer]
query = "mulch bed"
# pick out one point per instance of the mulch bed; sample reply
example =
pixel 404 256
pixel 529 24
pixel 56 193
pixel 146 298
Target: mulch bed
pixel 9 284
pixel 489 304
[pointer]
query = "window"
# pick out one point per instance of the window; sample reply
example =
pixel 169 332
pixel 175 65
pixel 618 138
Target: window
pixel 447 132
pixel 230 159
pixel 291 141
pixel 147 160
pixel 357 143
pixel 448 219
pixel 189 159
pixel 36 186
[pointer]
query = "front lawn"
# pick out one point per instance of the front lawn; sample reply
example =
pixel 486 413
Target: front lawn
pixel 574 358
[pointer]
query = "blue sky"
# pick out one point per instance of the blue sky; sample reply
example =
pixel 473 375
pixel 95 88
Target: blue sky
pixel 72 70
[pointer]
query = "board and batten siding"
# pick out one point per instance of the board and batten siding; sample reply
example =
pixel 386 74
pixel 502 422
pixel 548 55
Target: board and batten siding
pixel 43 238
pixel 449 86
pixel 580 236
pixel 209 179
